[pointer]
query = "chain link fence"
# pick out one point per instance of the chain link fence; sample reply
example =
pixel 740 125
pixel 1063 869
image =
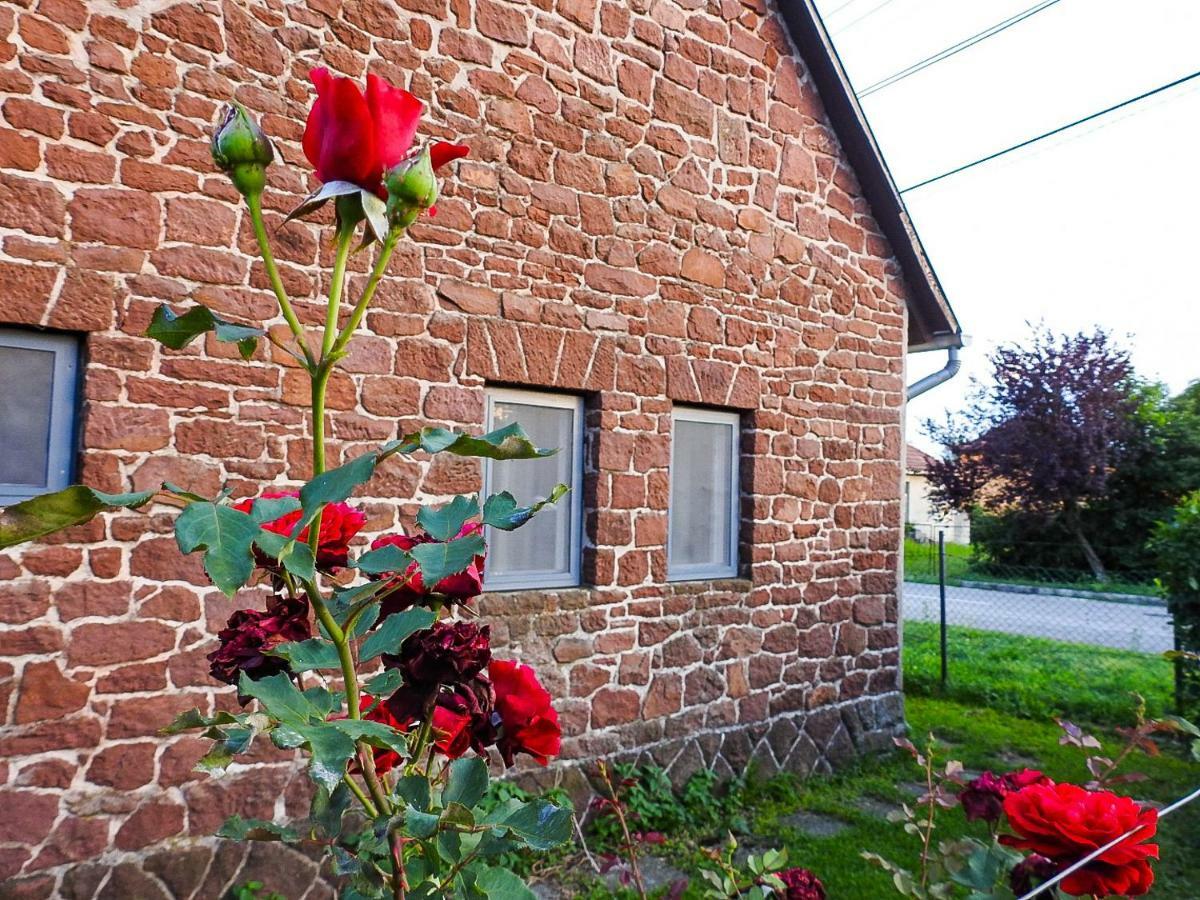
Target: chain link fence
pixel 955 591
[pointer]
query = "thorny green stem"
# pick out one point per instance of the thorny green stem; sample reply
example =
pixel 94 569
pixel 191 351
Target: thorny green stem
pixel 345 238
pixel 254 202
pixel 362 797
pixel 927 832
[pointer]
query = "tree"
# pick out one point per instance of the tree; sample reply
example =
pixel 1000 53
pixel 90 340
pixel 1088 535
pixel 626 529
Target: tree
pixel 1045 435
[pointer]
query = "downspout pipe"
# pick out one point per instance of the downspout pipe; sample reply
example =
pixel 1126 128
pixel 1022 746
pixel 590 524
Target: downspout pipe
pixel 942 375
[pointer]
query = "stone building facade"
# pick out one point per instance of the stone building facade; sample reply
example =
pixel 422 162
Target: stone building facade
pixel 656 211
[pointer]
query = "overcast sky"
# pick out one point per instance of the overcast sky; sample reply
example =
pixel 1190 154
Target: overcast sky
pixel 1097 226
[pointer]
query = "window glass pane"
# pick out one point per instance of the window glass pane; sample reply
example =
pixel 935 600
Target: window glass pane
pixel 543 545
pixel 701 496
pixel 25 403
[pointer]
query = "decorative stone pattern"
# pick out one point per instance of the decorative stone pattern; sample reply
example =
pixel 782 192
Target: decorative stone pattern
pixel 654 211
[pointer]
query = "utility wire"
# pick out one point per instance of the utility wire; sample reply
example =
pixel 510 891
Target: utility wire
pixel 956 48
pixel 839 8
pixel 870 12
pixel 1059 130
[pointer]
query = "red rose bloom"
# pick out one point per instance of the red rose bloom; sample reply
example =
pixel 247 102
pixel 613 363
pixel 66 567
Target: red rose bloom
pixel 983 797
pixel 451 733
pixel 340 522
pixel 528 723
pixel 1064 822
pixel 802 885
pixel 408 588
pixel 251 632
pixel 352 137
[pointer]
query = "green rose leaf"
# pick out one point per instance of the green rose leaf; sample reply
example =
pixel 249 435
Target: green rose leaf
pixel 177 331
pixel 305 656
pixel 468 782
pixel 293 555
pixel 238 829
pixel 226 536
pixel 540 824
pixel 388 558
pixel 384 684
pixel 193 719
pixel 501 510
pixel 330 749
pixel 446 521
pixel 48 513
pixel 509 442
pixel 414 789
pixel 439 560
pixel 395 629
pixel 334 486
pixel 418 824
pixel 279 697
pixel 374 733
pixel 501 884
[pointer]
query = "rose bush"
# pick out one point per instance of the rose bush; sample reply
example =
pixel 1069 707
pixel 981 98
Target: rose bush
pixel 358 659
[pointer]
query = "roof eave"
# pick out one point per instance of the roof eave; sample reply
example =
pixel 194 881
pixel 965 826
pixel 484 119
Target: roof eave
pixel 932 323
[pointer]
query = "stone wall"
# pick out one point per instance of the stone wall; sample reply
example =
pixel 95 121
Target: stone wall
pixel 654 211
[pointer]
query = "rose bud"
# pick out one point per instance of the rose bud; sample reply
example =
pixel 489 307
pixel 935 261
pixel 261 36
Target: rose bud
pixel 412 188
pixel 241 150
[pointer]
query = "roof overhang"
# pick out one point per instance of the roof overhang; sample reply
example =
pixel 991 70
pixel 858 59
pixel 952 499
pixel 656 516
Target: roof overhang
pixel 932 324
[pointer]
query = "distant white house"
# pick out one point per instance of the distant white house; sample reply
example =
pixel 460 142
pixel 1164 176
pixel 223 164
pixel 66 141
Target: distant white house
pixel 922 517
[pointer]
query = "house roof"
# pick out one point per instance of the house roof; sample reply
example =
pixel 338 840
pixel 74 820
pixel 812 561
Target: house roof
pixel 932 324
pixel 916 460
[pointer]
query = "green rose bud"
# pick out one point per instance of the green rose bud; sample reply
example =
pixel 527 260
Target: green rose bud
pixel 241 150
pixel 412 188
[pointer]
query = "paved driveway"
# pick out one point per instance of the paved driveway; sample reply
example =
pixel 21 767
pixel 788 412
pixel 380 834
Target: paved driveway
pixel 1126 626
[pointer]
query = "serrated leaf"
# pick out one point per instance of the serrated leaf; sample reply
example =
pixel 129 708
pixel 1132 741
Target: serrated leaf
pixel 374 733
pixel 384 684
pixel 468 782
pixel 509 442
pixel 328 808
pixel 305 656
pixel 177 331
pixel 226 536
pixel 388 558
pixel 439 559
pixel 419 824
pixel 395 629
pixel 193 719
pixel 238 829
pixel 540 824
pixel 500 884
pixel 501 510
pixel 279 697
pixel 447 520
pixel 295 556
pixel 334 486
pixel 330 750
pixel 48 513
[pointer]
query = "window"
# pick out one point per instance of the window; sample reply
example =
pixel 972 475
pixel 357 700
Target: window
pixel 545 551
pixel 39 374
pixel 703 516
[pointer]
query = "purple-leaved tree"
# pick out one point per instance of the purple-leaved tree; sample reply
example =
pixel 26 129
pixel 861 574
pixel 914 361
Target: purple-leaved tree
pixel 1045 434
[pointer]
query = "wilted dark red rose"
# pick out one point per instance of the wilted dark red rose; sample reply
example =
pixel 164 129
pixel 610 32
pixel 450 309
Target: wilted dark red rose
pixel 251 632
pixel 449 653
pixel 352 137
pixel 528 723
pixel 340 522
pixel 983 798
pixel 1030 872
pixel 802 885
pixel 407 587
pixel 1064 822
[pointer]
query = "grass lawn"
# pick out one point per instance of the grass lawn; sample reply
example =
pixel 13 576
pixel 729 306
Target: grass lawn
pixel 1034 677
pixel 995 714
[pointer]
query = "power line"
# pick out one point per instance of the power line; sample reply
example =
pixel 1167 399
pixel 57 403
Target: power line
pixel 1059 130
pixel 839 8
pixel 956 48
pixel 870 12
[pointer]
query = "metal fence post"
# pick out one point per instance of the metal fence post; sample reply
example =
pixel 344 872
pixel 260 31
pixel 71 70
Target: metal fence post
pixel 942 596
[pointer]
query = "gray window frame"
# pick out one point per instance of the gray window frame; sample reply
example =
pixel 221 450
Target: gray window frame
pixel 704 572
pixel 64 398
pixel 574 498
